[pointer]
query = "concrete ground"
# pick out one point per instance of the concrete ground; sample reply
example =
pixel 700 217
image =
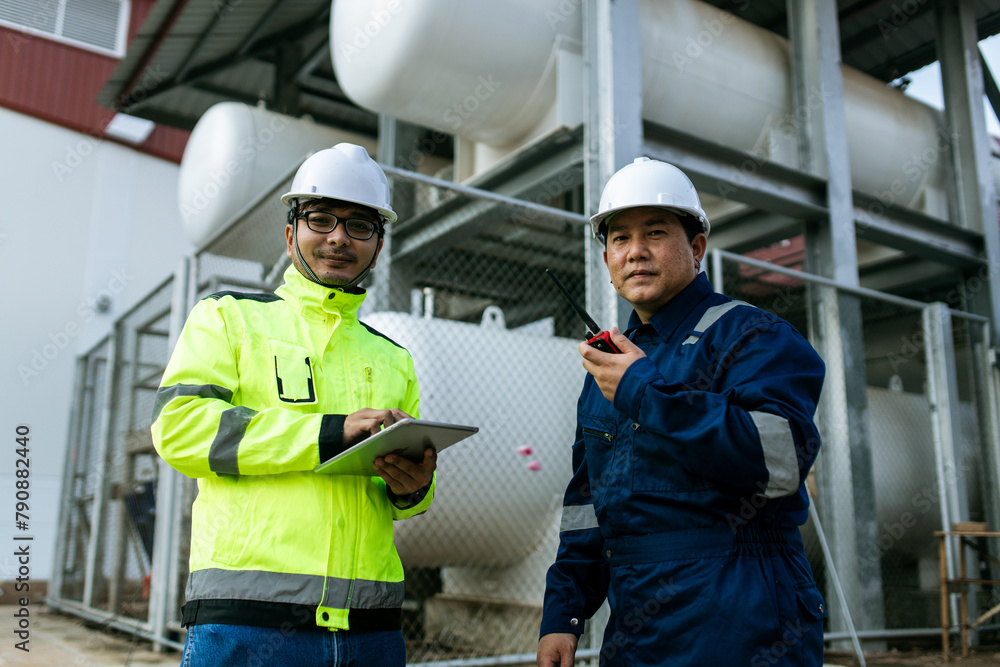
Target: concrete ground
pixel 62 640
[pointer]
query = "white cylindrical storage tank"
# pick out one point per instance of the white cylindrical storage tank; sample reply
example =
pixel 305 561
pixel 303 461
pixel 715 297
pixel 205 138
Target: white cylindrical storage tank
pixel 235 153
pixel 494 501
pixel 704 72
pixel 907 494
pixel 480 70
pixel 716 76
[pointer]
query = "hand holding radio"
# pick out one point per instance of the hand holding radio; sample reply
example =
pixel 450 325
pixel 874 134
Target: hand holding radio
pixel 608 369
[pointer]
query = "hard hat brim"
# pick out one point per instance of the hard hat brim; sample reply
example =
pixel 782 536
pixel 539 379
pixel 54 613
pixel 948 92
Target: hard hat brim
pixel 598 218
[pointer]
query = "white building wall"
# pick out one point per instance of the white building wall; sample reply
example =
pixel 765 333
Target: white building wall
pixel 79 217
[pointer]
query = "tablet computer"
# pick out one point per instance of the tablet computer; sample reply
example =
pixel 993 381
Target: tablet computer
pixel 407 437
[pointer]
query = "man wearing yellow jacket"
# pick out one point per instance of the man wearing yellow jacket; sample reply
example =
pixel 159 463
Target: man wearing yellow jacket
pixel 290 567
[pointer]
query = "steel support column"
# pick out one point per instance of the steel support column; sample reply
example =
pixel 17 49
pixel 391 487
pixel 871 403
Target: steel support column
pixel 612 138
pixel 397 147
pixel 973 207
pixel 949 457
pixel 612 134
pixel 847 500
pixel 942 392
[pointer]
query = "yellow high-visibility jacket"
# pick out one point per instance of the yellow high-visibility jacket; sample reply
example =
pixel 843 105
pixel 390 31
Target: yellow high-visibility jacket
pixel 253 398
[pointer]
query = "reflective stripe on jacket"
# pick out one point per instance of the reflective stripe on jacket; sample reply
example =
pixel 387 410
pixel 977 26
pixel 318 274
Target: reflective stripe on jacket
pixel 252 399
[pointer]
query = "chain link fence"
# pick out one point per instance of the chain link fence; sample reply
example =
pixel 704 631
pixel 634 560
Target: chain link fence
pixel 896 454
pixel 105 552
pixel 461 285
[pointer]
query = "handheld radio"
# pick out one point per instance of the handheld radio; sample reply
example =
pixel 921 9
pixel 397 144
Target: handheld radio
pixel 600 340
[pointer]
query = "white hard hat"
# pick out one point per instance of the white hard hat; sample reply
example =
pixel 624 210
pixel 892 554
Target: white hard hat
pixel 648 182
pixel 344 172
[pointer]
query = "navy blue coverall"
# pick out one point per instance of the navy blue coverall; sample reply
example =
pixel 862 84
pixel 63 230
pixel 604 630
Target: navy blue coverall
pixel 687 494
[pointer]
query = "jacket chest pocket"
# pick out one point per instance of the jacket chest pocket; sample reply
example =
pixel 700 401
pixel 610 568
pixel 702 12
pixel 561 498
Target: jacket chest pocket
pixel 599 437
pixel 294 379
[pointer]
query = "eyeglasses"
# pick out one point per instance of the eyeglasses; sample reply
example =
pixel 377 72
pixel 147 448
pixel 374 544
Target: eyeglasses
pixel 324 223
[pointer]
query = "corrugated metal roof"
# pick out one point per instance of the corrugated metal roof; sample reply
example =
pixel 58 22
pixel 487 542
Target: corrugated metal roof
pixel 191 54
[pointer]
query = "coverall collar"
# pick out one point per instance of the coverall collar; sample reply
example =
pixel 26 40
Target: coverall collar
pixel 666 320
pixel 317 301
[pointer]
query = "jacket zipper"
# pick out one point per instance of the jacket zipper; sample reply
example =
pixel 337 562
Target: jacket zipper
pixel 599 434
pixel 369 387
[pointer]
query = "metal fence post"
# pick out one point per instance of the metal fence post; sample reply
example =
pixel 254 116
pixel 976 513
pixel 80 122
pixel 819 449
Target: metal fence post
pixel 94 565
pixel 942 393
pixel 162 588
pixel 69 462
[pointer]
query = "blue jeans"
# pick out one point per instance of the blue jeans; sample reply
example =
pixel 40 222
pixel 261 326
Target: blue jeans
pixel 217 645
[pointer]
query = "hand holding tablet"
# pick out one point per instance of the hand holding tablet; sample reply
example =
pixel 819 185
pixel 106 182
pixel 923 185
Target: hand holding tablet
pixel 407 437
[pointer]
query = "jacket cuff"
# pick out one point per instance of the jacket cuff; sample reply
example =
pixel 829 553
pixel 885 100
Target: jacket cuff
pixel 331 436
pixel 561 623
pixel 410 499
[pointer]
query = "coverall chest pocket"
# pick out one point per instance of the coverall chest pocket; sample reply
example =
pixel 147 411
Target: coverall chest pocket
pixel 599 437
pixel 654 464
pixel 655 469
pixel 294 380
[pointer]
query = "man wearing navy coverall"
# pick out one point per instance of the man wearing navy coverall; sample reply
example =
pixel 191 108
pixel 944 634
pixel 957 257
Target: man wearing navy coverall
pixel 691 455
